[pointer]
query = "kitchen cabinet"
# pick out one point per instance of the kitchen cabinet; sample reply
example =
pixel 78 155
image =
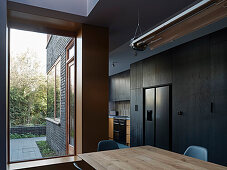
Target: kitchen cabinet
pixel 136 75
pixel 157 70
pixel 136 117
pixel 120 86
pixel 128 132
pixel 218 135
pixel 191 95
pixel 111 128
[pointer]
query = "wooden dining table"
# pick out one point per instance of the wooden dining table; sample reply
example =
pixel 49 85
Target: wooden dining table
pixel 145 157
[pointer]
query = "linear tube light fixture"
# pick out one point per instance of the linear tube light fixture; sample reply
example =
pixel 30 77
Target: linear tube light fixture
pixel 144 40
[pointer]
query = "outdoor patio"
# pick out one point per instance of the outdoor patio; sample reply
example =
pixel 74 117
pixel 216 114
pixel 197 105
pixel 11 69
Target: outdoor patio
pixel 25 149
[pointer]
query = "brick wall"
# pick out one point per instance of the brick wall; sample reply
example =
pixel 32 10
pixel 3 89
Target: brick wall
pixel 56 134
pixel 35 130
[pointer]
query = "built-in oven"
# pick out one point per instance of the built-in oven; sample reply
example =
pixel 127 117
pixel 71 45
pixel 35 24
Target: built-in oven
pixel 120 130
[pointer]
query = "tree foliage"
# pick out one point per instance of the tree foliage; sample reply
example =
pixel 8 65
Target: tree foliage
pixel 28 90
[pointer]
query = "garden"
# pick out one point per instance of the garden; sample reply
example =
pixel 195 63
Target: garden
pixel 28 108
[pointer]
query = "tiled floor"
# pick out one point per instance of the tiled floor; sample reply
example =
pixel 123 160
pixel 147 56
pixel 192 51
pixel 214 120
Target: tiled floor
pixel 25 149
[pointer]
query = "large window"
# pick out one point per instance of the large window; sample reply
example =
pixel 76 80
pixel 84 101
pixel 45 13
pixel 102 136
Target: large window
pixel 36 100
pixel 54 92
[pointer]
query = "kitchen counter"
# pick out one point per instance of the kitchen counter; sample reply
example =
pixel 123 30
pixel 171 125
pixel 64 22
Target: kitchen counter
pixel 120 117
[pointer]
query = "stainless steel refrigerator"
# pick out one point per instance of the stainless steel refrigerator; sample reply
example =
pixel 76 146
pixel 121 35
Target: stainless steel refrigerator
pixel 157 117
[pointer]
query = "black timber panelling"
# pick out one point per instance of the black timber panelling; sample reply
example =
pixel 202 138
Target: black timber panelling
pixel 112 89
pixel 218 133
pixel 136 73
pixel 191 95
pixel 136 101
pixel 149 72
pixel 197 71
pixel 163 68
pixel 119 86
pixel 157 70
pixel 136 117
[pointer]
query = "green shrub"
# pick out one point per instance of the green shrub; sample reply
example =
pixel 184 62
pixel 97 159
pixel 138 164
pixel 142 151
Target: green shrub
pixel 45 149
pixel 28 90
pixel 27 135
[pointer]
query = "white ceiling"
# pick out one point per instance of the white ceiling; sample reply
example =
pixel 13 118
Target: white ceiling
pixel 76 7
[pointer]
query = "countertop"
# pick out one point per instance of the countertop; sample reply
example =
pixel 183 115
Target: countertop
pixel 120 117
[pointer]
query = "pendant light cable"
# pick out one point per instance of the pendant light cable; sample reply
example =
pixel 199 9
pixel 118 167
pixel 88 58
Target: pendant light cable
pixel 138 28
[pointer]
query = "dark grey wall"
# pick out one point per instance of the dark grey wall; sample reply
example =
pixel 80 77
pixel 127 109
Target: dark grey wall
pixel 197 71
pixel 56 134
pixel 124 55
pixel 3 84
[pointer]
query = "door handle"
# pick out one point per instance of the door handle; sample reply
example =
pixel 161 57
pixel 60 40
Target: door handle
pixel 149 115
pixel 211 107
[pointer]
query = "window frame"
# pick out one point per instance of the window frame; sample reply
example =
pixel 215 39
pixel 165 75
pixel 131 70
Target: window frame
pixel 54 66
pixel 45 27
pixel 70 45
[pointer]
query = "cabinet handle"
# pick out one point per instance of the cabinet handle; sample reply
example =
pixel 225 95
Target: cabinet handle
pixel 149 115
pixel 211 107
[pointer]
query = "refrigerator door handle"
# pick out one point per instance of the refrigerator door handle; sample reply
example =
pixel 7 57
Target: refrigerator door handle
pixel 149 115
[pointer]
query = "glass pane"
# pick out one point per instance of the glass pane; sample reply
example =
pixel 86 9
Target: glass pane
pixel 50 93
pixel 71 52
pixel 71 105
pixel 58 90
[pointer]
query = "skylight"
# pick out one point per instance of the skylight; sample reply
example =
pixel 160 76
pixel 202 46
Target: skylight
pixel 76 7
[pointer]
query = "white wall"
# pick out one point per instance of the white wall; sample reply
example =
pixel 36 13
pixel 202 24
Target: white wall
pixel 90 5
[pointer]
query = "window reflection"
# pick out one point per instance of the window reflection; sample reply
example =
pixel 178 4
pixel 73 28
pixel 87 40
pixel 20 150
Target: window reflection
pixel 58 88
pixel 50 93
pixel 71 52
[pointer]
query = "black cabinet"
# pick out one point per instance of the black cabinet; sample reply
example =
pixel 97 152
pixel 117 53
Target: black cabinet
pixel 112 89
pixel 218 135
pixel 136 72
pixel 136 117
pixel 157 70
pixel 191 95
pixel 149 72
pixel 120 86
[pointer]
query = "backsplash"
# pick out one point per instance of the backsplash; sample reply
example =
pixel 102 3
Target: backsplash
pixel 122 107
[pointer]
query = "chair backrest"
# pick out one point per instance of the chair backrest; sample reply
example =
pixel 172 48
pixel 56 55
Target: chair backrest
pixel 76 166
pixel 107 145
pixel 197 152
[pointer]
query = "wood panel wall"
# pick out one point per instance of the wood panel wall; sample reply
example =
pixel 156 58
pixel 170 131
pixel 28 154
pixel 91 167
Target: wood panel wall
pixel 197 71
pixel 92 87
